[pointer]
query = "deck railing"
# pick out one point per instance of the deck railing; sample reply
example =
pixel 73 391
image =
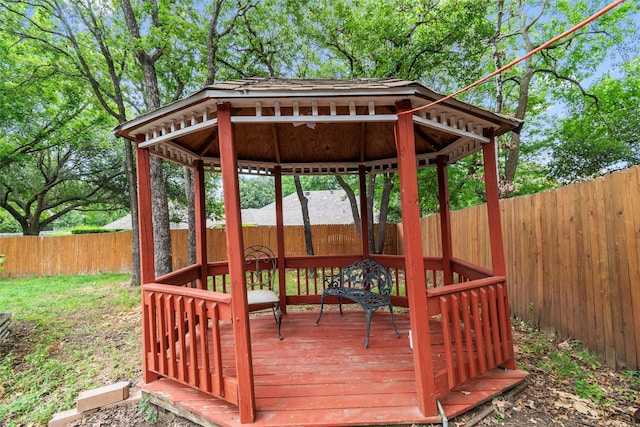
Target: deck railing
pixel 472 315
pixel 182 334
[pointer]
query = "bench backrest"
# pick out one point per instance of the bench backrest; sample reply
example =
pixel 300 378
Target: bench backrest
pixel 368 274
pixel 260 267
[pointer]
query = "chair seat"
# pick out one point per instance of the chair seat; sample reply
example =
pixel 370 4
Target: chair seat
pixel 262 296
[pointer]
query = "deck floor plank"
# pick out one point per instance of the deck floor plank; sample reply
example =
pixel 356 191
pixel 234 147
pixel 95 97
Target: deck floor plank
pixel 323 376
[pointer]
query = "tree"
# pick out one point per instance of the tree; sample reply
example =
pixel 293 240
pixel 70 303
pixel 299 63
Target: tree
pixel 87 45
pixel 598 137
pixel 438 43
pixel 122 50
pixel 304 205
pixel 256 192
pixel 55 155
pixel 529 87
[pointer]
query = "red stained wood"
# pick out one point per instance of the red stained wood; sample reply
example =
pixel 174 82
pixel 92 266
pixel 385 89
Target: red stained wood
pixel 143 171
pixel 235 249
pixel 323 376
pixel 414 262
pixel 201 223
pixel 364 212
pixel 445 219
pixel 493 204
pixel 282 278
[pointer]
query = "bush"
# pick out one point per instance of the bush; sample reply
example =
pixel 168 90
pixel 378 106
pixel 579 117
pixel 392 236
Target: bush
pixel 89 230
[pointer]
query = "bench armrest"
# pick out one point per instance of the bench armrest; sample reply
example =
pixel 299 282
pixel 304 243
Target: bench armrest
pixel 332 280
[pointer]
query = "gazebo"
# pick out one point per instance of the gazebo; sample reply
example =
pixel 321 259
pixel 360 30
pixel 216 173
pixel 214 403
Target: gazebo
pixel 207 359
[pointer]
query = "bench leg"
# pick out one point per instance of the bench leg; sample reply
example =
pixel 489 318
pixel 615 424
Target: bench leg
pixel 369 314
pixel 321 309
pixel 393 323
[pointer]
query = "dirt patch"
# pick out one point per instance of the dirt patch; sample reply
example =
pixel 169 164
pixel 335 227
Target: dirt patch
pixel 131 416
pixel 19 342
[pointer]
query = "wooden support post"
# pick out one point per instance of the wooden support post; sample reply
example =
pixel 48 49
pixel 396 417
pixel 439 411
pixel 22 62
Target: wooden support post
pixel 235 252
pixel 445 219
pixel 414 261
pixel 489 157
pixel 493 203
pixel 201 223
pixel 282 277
pixel 147 264
pixel 364 212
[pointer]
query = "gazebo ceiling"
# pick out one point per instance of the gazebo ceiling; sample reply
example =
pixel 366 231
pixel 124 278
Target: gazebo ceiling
pixel 313 126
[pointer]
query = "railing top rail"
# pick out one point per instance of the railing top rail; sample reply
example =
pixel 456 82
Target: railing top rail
pixel 181 276
pixel 465 286
pixel 188 292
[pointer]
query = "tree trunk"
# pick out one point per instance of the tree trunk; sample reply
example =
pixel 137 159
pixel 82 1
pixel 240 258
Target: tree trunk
pixel 160 216
pixel 384 210
pixel 370 217
pixel 304 204
pixel 352 202
pixel 191 214
pixel 132 184
pixel 513 147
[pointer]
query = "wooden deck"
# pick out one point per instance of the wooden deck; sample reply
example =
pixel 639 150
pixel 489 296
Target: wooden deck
pixel 323 376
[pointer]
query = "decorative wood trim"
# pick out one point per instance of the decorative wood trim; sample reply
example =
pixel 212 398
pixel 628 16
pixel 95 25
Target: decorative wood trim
pixel 162 134
pixel 302 119
pixel 444 126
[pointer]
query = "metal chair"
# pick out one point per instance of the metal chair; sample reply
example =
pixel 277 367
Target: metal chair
pixel 260 270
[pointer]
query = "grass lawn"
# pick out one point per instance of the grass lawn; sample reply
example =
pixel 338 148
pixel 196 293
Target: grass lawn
pixel 69 334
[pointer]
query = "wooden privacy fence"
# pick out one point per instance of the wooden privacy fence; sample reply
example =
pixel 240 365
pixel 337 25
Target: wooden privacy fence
pixel 573 257
pixel 111 252
pixel 573 260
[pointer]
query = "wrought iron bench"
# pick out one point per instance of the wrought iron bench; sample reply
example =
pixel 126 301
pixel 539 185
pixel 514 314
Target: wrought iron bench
pixel 366 282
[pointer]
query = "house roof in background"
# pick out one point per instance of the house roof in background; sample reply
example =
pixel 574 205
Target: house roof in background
pixel 325 207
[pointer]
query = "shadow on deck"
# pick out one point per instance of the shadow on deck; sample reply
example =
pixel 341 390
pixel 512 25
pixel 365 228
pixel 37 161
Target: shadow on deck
pixel 323 376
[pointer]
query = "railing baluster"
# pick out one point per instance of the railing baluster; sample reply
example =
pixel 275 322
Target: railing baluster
pixel 495 324
pixel 457 332
pixel 466 320
pixel 191 325
pixel 486 328
pixel 446 333
pixel 505 331
pixel 162 333
pixel 216 350
pixel 152 340
pixel 182 345
pixel 171 328
pixel 203 366
pixel 477 325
